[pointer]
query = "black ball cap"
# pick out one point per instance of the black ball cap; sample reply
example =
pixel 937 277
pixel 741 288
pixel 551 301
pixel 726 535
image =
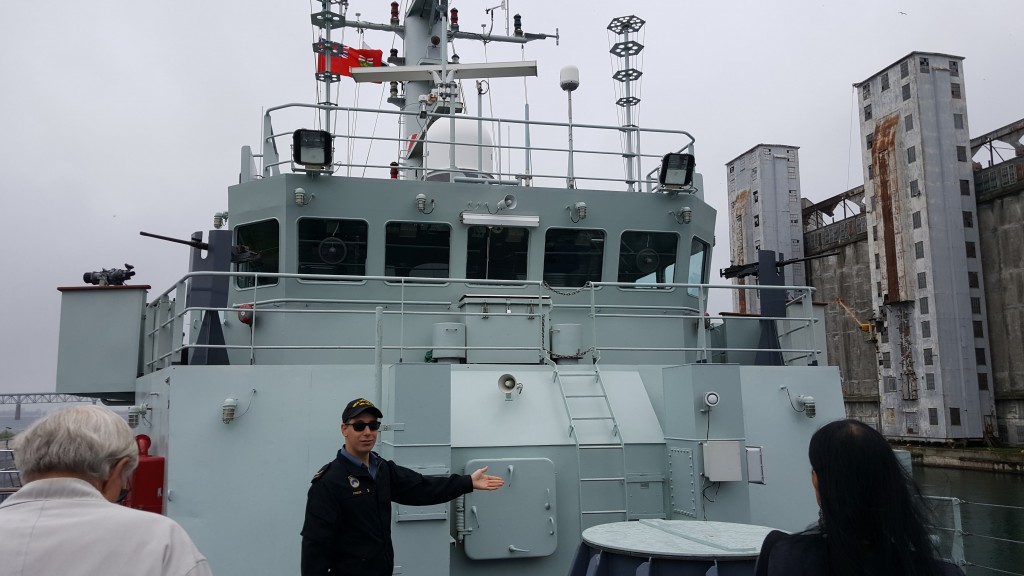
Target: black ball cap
pixel 357 407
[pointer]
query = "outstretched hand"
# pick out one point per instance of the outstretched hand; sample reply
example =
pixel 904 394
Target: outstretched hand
pixel 482 481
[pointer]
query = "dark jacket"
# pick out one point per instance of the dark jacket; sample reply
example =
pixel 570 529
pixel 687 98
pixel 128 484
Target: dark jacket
pixel 348 514
pixel 805 554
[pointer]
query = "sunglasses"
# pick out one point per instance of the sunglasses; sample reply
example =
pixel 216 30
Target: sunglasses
pixel 360 426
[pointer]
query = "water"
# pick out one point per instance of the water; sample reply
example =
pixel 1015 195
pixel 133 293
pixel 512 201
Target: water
pixel 983 524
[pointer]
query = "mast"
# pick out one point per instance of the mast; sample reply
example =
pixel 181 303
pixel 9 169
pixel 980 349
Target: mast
pixel 625 49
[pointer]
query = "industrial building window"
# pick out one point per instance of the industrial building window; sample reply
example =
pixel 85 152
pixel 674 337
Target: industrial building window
pixel 647 258
pixel 908 122
pixel 922 305
pixel 334 247
pixel 979 328
pixel 961 153
pixel 911 155
pixel 885 335
pixel 874 232
pixel 954 68
pixel 417 250
pixel 972 251
pixel 904 69
pixel 913 423
pixel 753 173
pixel 867 112
pixel 928 358
pixel 955 89
pixel 906 92
pixel 965 187
pixel 731 169
pixel 915 188
pixel 929 381
pixel 919 250
pixel 917 219
pixel 870 140
pixel 954 416
pixel 975 305
pixel 795 219
pixel 933 416
pixel 871 172
pixel 877 262
pixel 498 252
pixel 757 220
pixel 573 257
pixel 979 356
pixel 885 81
pixel 958 121
pixel 968 219
pixel 794 196
pixel 926 329
pixel 982 381
pixel 755 196
pixel 890 384
pixel 924 67
pixel 263 240
pixel 878 286
pixel 865 90
pixel 922 280
pixel 972 279
pixel 886 360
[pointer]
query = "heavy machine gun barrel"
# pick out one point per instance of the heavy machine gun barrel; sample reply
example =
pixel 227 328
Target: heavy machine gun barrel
pixel 192 243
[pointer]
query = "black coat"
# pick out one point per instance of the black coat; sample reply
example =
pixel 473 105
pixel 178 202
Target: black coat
pixel 347 529
pixel 805 554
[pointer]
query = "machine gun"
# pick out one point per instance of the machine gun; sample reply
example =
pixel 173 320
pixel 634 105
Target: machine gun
pixel 239 253
pixel 110 276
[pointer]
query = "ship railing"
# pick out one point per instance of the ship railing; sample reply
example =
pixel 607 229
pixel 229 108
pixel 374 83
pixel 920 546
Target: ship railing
pixel 961 547
pixel 167 316
pixel 515 164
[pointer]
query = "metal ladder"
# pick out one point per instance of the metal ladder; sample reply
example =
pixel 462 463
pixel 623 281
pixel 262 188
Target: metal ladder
pixel 586 404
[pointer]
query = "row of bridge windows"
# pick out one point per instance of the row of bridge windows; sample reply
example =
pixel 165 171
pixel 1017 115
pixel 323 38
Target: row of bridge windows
pixel 572 256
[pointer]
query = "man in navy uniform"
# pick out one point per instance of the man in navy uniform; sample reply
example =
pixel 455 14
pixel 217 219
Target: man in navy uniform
pixel 348 509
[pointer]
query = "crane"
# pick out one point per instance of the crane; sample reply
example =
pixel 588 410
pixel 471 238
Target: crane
pixel 865 326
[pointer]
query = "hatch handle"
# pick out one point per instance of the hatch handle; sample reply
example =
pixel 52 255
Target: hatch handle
pixel 476 516
pixel 513 548
pixel 551 519
pixel 511 469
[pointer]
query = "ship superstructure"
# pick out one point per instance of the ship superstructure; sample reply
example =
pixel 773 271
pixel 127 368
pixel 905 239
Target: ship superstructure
pixel 550 324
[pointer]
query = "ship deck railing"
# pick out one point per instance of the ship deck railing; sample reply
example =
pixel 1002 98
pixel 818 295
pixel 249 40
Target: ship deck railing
pixel 516 163
pixel 168 315
pixel 959 546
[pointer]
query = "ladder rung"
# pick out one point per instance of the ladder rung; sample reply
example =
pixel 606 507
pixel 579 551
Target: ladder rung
pixel 602 479
pixel 595 418
pixel 584 395
pixel 603 512
pixel 601 446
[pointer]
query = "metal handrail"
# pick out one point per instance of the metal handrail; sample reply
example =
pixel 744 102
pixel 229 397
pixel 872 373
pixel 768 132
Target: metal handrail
pixel 170 312
pixel 958 550
pixel 273 161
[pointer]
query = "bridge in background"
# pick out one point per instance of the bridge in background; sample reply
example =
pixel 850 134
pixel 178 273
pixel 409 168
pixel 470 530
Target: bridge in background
pixel 44 398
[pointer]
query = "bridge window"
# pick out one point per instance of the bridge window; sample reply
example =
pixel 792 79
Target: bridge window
pixel 699 256
pixel 497 252
pixel 573 257
pixel 415 250
pixel 262 250
pixel 647 258
pixel 329 246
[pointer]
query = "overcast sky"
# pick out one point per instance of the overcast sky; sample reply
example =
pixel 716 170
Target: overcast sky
pixel 123 116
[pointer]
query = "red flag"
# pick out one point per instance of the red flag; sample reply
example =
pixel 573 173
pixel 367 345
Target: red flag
pixel 350 58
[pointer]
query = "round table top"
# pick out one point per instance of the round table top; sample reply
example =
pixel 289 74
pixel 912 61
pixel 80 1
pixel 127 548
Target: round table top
pixel 682 539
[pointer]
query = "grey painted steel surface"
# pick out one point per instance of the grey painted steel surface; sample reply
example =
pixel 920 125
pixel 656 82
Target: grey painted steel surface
pixel 99 350
pixel 679 539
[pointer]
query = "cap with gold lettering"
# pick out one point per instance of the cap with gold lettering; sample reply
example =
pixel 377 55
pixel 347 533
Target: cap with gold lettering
pixel 357 407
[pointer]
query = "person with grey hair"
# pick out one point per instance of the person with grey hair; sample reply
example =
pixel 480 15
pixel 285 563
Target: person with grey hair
pixel 76 463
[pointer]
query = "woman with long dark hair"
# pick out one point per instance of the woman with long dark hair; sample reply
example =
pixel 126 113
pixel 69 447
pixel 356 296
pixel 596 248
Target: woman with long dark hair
pixel 872 518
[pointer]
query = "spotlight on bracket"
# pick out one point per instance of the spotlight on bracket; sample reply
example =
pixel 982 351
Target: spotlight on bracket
pixel 683 215
pixel 301 198
pixel 676 170
pixel 227 410
pixel 807 403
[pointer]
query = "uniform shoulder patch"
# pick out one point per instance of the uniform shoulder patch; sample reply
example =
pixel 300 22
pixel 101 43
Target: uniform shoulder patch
pixel 321 472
